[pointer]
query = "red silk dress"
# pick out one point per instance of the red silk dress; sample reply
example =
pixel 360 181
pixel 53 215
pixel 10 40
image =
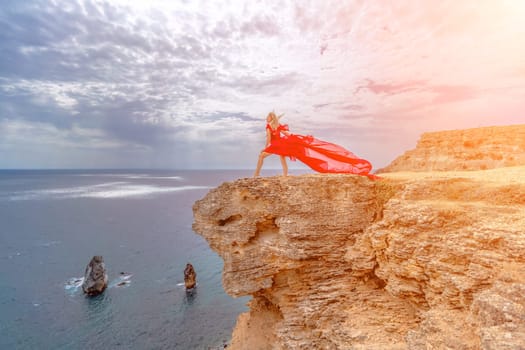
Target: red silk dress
pixel 279 142
pixel 319 155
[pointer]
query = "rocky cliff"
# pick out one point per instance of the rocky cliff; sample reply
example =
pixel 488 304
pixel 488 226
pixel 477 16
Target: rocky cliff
pixel 470 149
pixel 426 260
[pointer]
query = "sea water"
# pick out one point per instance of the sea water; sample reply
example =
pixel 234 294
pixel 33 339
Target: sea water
pixel 53 222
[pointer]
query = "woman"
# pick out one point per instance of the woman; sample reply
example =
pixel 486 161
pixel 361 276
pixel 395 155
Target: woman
pixel 275 143
pixel 319 155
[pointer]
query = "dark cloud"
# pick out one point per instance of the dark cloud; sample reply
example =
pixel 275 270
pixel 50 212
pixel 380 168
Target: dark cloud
pixel 339 105
pixel 322 105
pixel 23 106
pixel 126 72
pixel 55 42
pixel 389 89
pixel 123 75
pixel 352 107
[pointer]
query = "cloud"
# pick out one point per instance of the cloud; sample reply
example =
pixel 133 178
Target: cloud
pixel 389 89
pixel 260 25
pixel 344 106
pixel 187 83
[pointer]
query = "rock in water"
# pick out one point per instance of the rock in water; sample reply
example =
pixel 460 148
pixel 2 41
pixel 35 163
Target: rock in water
pixel 190 277
pixel 95 278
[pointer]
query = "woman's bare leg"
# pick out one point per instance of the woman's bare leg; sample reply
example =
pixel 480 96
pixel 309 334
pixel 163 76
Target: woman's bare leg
pixel 285 166
pixel 262 155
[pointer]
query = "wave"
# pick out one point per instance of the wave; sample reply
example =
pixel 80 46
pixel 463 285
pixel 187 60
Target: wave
pixel 11 256
pixel 134 176
pixel 123 280
pixel 102 191
pixel 48 244
pixel 179 178
pixel 74 284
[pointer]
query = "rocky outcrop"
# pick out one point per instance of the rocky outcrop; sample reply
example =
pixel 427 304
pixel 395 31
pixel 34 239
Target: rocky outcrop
pixel 190 277
pixel 95 277
pixel 414 261
pixel 470 149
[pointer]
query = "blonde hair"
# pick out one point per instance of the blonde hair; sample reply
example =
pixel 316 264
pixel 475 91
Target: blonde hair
pixel 274 119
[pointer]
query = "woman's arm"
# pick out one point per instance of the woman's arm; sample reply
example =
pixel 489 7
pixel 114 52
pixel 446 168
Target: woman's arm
pixel 284 130
pixel 268 138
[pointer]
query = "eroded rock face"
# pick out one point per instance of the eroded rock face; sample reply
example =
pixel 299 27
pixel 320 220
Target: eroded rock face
pixel 285 241
pixel 469 149
pixel 95 277
pixel 342 262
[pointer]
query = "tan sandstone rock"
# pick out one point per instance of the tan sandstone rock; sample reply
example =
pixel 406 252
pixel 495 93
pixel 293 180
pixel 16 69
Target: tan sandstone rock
pixel 468 149
pixel 426 260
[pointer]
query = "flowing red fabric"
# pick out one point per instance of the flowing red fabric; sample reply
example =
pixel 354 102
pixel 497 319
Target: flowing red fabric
pixel 319 155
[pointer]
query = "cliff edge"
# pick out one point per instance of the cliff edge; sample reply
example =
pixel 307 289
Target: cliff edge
pixel 426 260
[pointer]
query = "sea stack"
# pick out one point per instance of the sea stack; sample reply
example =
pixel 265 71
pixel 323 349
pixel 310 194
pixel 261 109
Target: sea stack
pixel 95 277
pixel 190 277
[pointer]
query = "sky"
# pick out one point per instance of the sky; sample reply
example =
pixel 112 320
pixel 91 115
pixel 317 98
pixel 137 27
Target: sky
pixel 188 84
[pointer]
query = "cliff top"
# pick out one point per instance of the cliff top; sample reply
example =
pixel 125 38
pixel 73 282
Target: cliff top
pixel 468 149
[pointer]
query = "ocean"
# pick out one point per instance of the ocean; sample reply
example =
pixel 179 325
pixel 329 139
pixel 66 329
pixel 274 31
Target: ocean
pixel 52 222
